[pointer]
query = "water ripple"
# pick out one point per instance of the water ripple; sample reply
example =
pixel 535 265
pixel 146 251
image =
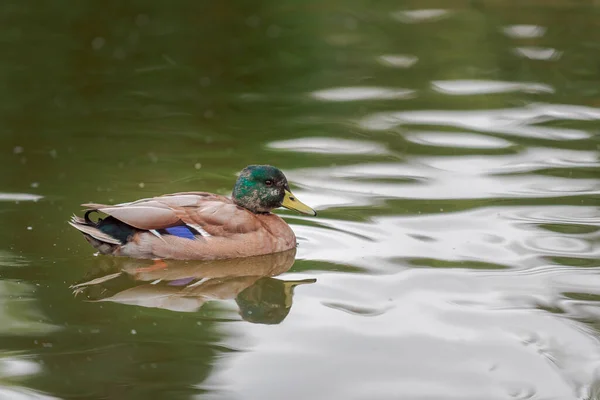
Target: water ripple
pixel 398 60
pixel 424 15
pixel 457 140
pixel 19 197
pixel 329 146
pixel 538 53
pixel 362 93
pixel 464 177
pixel 492 237
pixel 430 327
pixel 524 31
pixel 475 87
pixel 515 122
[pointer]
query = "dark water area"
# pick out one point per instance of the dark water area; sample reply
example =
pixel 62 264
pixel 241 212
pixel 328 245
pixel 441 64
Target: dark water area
pixel 451 149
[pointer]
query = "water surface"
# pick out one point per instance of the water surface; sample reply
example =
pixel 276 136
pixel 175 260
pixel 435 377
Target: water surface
pixel 450 148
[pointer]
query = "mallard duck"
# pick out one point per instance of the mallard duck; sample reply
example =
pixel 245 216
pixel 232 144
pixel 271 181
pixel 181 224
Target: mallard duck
pixel 199 225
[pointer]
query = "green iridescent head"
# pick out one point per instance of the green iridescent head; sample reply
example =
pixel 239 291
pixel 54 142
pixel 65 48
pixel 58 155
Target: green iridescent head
pixel 262 188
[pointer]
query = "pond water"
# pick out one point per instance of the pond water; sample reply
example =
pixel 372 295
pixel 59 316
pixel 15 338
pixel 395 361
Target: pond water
pixel 451 149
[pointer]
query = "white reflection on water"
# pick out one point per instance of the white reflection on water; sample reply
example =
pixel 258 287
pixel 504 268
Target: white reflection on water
pixel 463 140
pixel 524 31
pixel 13 369
pixel 473 87
pixel 362 93
pixel 538 53
pixel 460 177
pixel 19 197
pixel 416 16
pixel 455 334
pixel 494 236
pixel 329 146
pixel 522 122
pixel 20 393
pixel 477 328
pixel 398 60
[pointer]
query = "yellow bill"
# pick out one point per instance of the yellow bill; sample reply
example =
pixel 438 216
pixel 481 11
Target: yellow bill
pixel 292 203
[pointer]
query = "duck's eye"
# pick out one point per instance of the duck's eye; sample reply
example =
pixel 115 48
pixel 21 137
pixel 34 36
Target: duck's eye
pixel 268 182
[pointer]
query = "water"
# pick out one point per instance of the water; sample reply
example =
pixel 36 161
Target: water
pixel 450 148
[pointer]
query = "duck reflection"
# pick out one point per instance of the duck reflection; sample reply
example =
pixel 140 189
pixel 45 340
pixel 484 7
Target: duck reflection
pixel 186 286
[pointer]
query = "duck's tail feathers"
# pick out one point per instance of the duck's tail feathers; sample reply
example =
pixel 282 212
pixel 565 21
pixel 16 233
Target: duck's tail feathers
pixel 104 243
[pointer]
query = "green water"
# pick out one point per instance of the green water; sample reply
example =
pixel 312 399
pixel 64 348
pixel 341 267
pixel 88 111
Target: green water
pixel 449 147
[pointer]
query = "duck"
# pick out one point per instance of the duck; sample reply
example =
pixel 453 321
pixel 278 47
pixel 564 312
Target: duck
pixel 198 225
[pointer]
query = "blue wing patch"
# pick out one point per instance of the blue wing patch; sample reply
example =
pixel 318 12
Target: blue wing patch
pixel 182 281
pixel 181 231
